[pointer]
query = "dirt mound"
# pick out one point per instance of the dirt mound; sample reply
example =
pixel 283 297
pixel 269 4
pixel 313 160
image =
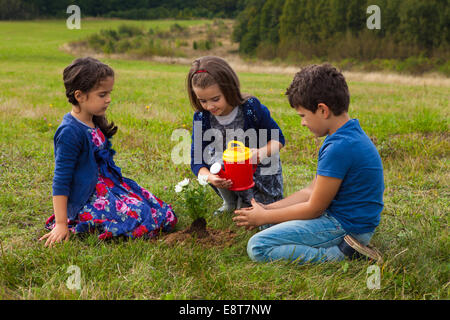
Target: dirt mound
pixel 208 238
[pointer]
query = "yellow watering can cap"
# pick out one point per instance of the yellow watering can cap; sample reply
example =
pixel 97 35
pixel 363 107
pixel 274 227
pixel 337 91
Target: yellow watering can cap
pixel 236 154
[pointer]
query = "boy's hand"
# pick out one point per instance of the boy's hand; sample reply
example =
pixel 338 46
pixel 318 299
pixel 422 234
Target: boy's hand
pixel 60 232
pixel 248 228
pixel 251 217
pixel 219 182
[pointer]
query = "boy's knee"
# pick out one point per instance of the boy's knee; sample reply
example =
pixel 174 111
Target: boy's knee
pixel 255 248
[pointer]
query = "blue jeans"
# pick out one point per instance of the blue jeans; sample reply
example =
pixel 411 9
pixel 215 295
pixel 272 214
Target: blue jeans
pixel 302 241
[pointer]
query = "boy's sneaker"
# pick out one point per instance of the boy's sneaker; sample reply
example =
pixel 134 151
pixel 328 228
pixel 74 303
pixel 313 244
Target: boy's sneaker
pixel 353 249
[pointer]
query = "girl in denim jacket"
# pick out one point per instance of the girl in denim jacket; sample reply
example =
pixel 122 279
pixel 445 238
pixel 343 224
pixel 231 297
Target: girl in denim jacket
pixel 89 192
pixel 223 112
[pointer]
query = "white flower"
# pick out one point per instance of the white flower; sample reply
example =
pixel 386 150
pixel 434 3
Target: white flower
pixel 183 183
pixel 178 188
pixel 203 179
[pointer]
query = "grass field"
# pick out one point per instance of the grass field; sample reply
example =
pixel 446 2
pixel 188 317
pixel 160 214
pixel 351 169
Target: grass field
pixel 408 123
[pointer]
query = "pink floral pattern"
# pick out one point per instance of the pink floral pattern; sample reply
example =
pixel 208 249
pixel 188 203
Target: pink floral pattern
pixel 97 137
pixel 121 208
pixel 100 203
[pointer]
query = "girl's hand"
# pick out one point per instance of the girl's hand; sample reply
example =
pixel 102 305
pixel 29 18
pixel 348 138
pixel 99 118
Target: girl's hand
pixel 256 156
pixel 60 232
pixel 251 217
pixel 219 182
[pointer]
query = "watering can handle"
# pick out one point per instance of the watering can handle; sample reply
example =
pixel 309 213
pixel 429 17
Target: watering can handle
pixel 235 142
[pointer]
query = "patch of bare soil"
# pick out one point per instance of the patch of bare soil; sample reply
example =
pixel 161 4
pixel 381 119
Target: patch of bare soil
pixel 202 235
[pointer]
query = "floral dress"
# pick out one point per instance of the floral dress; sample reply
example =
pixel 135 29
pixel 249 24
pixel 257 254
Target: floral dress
pixel 119 206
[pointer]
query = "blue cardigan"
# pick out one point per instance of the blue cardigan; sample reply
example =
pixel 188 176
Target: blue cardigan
pixel 256 116
pixel 76 171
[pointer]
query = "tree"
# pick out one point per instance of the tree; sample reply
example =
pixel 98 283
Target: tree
pixel 356 16
pixel 270 21
pixel 246 31
pixel 418 23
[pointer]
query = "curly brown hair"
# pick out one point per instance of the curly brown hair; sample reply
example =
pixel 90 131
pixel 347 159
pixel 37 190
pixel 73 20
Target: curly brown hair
pixel 316 84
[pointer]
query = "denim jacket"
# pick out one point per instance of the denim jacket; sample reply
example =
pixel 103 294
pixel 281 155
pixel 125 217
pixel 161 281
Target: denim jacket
pixel 256 115
pixel 76 171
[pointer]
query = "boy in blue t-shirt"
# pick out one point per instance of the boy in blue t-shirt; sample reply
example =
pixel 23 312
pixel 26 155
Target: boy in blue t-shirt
pixel 336 215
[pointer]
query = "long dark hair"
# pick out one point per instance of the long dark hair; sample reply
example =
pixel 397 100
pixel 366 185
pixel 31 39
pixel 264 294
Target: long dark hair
pixel 85 74
pixel 210 70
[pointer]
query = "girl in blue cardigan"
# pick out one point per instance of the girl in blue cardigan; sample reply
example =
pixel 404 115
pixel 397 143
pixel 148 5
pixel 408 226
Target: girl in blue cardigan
pixel 223 114
pixel 89 191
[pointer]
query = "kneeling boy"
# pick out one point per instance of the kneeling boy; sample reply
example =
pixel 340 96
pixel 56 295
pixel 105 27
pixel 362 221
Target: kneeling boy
pixel 336 215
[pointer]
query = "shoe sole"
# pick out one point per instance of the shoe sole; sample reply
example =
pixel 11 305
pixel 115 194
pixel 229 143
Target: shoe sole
pixel 371 253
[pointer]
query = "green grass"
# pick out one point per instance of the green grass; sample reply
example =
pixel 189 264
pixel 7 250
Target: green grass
pixel 409 125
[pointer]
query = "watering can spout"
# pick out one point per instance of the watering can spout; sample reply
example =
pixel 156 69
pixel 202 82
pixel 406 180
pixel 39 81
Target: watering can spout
pixel 216 168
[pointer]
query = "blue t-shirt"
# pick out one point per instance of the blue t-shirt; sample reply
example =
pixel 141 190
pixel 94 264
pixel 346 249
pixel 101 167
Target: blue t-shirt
pixel 350 155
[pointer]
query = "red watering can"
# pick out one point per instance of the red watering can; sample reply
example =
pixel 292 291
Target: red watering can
pixel 238 167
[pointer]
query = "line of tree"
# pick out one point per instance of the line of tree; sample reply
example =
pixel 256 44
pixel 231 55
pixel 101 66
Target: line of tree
pixel 130 9
pixel 337 29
